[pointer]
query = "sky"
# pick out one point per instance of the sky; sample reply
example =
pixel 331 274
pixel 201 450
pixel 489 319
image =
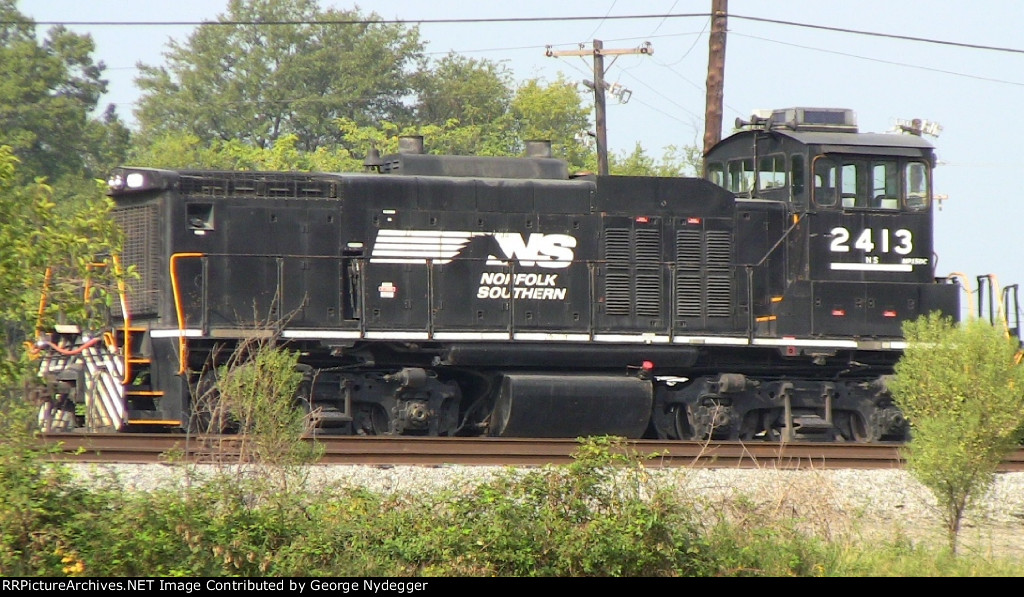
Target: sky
pixel 955 63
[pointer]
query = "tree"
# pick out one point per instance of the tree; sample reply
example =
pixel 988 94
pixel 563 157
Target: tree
pixel 685 161
pixel 37 237
pixel 467 99
pixel 474 92
pixel 256 83
pixel 963 393
pixel 185 150
pixel 48 92
pixel 554 112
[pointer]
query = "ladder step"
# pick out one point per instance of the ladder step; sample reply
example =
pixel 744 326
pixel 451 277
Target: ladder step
pixel 150 417
pixel 128 392
pixel 142 361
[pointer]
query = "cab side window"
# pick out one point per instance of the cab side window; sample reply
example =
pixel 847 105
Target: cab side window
pixel 852 187
pixel 826 177
pixel 917 185
pixel 716 173
pixel 741 175
pixel 885 189
pixel 771 172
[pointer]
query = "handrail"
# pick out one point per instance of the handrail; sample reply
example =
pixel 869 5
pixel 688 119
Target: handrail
pixel 180 306
pixel 47 277
pixel 751 319
pixel 996 308
pixel 126 315
pixel 1011 302
pixel 960 278
pixel 179 309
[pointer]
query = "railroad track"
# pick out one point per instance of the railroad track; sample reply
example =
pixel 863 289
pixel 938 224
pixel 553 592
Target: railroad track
pixel 397 451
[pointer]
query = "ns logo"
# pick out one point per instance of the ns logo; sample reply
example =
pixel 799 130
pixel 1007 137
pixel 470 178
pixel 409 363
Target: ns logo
pixel 553 251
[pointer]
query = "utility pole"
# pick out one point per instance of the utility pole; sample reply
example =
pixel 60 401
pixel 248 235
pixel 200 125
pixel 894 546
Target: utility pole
pixel 598 52
pixel 716 74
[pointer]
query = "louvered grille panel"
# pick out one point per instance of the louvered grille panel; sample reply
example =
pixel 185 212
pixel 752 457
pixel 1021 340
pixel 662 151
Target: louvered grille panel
pixel 688 248
pixel 719 296
pixel 648 246
pixel 243 184
pixel 141 249
pixel 648 293
pixel 718 248
pixel 617 292
pixel 688 300
pixel 616 245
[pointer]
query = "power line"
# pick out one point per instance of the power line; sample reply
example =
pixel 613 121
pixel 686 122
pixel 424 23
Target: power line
pixel 874 34
pixel 350 21
pixel 881 61
pixel 507 20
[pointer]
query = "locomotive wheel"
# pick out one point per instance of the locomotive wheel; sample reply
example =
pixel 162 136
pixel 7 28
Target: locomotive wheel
pixel 681 421
pixel 372 419
pixel 853 428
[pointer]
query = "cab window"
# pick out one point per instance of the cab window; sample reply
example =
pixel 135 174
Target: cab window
pixel 771 172
pixel 916 184
pixel 852 184
pixel 741 175
pixel 826 177
pixel 885 185
pixel 716 173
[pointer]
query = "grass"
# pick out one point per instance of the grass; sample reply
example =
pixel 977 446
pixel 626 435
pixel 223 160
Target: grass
pixel 606 514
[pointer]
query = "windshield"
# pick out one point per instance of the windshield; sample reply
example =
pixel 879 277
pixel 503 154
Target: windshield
pixel 853 182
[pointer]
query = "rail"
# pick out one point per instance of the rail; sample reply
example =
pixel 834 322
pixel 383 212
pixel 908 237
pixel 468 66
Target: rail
pixel 434 452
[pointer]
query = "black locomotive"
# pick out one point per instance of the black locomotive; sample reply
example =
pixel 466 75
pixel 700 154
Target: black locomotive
pixel 456 295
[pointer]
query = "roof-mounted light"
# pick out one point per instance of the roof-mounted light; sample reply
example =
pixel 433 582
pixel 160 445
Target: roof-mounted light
pixel 124 180
pixel 135 180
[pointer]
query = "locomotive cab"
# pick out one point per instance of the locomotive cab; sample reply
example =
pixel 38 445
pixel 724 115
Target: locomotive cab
pixel 854 248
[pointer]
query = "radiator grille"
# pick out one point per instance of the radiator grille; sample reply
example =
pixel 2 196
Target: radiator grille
pixel 617 292
pixel 688 299
pixel 703 273
pixel 719 295
pixel 616 245
pixel 634 281
pixel 648 247
pixel 648 293
pixel 141 250
pixel 719 249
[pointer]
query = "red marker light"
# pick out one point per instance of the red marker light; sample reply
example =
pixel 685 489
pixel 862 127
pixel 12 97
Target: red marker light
pixel 838 313
pixel 889 313
pixel 693 220
pixel 643 219
pixel 647 366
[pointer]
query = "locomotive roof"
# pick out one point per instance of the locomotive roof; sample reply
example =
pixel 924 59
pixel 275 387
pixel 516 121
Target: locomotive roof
pixel 887 140
pixel 842 142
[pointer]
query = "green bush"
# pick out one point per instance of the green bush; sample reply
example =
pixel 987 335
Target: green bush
pixel 39 499
pixel 602 515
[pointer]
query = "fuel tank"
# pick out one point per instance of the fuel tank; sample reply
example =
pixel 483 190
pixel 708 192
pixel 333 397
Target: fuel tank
pixel 538 405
